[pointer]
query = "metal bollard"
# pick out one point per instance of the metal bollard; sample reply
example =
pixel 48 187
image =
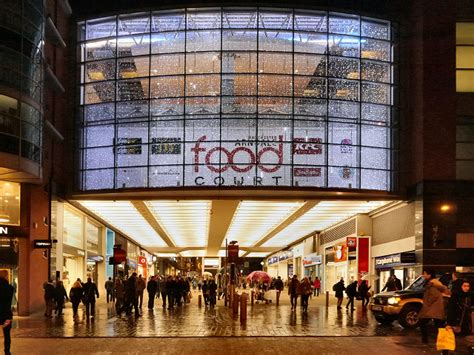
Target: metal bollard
pixel 327 299
pixel 199 301
pixel 235 305
pixel 252 297
pixel 243 307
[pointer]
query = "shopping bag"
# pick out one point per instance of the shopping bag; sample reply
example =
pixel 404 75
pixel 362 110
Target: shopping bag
pixel 445 339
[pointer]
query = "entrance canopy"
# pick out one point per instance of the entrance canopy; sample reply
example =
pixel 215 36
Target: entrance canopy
pixel 202 227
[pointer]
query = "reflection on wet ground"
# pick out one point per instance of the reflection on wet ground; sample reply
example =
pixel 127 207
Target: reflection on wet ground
pixel 191 320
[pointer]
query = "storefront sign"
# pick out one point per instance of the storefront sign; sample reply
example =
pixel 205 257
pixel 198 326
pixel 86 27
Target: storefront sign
pixel 285 255
pixel 392 260
pixel 362 257
pixel 351 242
pixel 272 260
pixel 14 231
pixel 42 244
pixel 142 260
pixel 120 255
pixel 312 259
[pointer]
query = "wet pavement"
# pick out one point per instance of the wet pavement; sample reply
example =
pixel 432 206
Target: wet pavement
pixel 201 330
pixel 190 320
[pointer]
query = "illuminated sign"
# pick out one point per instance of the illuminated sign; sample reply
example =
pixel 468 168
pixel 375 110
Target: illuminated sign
pixel 42 244
pixel 4 230
pixel 312 259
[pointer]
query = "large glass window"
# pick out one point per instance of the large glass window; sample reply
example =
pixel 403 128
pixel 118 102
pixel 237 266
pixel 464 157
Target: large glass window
pixel 231 97
pixel 465 57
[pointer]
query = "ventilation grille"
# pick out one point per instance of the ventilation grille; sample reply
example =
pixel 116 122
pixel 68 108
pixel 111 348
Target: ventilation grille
pixel 339 232
pixel 394 225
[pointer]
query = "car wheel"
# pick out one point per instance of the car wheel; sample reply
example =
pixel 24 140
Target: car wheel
pixel 383 320
pixel 409 316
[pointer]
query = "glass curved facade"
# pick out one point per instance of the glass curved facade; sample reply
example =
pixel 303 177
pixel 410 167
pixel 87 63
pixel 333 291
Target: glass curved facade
pixel 236 97
pixel 21 76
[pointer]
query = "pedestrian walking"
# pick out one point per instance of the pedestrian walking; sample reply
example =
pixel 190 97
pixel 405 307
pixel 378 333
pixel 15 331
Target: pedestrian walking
pixel 316 286
pixel 141 286
pixel 433 304
pixel 456 284
pixel 305 292
pixel 339 289
pixel 459 310
pixel 151 288
pixel 212 293
pixel 6 315
pixel 293 289
pixel 364 293
pixel 109 289
pixel 351 292
pixel 205 292
pixel 163 291
pixel 48 289
pixel 131 295
pixel 278 287
pixel 119 294
pixel 75 295
pixel 90 293
pixel 60 296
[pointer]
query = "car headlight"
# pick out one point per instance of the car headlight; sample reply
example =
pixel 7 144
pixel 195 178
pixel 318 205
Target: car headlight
pixel 393 301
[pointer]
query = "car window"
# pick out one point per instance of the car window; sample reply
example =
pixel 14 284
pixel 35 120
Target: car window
pixel 417 284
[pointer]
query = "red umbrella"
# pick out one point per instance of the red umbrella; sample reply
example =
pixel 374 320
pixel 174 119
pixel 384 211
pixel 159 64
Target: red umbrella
pixel 257 276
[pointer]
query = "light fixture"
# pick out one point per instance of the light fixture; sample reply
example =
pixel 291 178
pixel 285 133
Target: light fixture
pixel 445 208
pixel 4 218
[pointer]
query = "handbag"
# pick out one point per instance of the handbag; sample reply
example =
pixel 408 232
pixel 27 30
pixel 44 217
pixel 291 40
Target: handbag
pixel 457 328
pixel 445 339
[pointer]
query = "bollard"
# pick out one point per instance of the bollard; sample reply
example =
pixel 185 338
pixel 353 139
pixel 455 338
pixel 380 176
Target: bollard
pixel 243 307
pixel 327 299
pixel 199 301
pixel 252 298
pixel 278 297
pixel 235 305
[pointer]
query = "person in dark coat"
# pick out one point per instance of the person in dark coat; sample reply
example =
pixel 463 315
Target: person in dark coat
pixel 170 291
pixel 293 291
pixel 364 293
pixel 212 293
pixel 119 294
pixel 60 296
pixel 279 287
pixel 131 295
pixel 459 309
pixel 48 288
pixel 151 288
pixel 90 293
pixel 351 292
pixel 163 291
pixel 6 315
pixel 109 289
pixel 433 303
pixel 75 295
pixel 456 284
pixel 205 292
pixel 339 289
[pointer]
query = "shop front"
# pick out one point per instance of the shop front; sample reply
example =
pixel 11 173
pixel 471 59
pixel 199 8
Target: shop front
pixel 402 265
pixel 347 258
pixel 311 264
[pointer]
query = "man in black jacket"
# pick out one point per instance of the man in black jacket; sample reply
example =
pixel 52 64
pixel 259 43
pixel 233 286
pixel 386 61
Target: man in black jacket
pixel 90 292
pixel 351 292
pixel 151 287
pixel 131 295
pixel 6 315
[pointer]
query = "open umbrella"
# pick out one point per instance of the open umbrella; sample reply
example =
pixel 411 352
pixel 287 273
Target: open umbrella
pixel 370 277
pixel 207 274
pixel 257 276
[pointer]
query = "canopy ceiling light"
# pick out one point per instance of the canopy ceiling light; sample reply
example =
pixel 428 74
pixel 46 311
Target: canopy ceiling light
pixel 322 216
pixel 255 219
pixel 186 222
pixel 123 216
